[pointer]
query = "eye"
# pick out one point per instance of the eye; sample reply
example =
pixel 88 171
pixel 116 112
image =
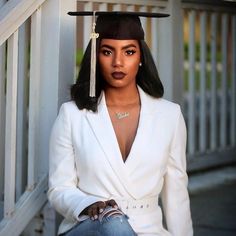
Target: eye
pixel 130 52
pixel 106 52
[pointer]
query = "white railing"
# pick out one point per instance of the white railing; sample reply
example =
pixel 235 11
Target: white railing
pixel 211 127
pixel 16 200
pixel 28 108
pixel 13 14
pixel 2 120
pixel 210 66
pixel 37 43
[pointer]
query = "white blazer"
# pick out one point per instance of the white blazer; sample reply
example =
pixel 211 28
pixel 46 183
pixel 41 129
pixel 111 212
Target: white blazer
pixel 86 166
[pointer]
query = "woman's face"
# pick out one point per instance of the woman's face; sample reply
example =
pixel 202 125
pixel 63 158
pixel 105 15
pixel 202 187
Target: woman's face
pixel 119 62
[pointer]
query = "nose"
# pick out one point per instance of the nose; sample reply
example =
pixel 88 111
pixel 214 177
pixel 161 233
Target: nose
pixel 117 60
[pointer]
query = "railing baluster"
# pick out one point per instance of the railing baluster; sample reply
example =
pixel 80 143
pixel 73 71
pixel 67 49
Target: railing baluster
pixel 22 98
pixel 233 90
pixel 11 111
pixel 143 19
pixel 88 6
pixel 223 111
pixel 154 36
pixel 130 8
pixel 203 61
pixel 116 7
pixel 2 112
pixel 102 6
pixel 34 98
pixel 191 101
pixel 2 117
pixel 213 113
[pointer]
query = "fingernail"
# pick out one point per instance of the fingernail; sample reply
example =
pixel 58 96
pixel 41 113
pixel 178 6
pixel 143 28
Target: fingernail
pixel 95 217
pixel 101 210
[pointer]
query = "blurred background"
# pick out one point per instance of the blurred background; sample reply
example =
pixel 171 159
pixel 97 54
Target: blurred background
pixel 41 48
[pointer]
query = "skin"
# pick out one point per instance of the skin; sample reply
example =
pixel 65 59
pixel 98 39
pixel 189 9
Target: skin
pixel 98 207
pixel 121 93
pixel 119 62
pixel 119 56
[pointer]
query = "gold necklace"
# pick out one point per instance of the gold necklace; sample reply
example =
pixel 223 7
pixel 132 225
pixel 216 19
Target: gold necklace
pixel 121 115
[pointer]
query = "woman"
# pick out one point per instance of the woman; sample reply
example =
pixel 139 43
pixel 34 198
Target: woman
pixel 113 154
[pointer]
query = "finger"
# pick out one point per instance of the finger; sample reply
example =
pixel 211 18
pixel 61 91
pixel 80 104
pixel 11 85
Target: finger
pixel 101 206
pixel 112 203
pixel 95 211
pixel 92 211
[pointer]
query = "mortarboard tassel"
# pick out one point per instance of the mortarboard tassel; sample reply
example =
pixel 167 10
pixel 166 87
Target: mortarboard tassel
pixel 94 36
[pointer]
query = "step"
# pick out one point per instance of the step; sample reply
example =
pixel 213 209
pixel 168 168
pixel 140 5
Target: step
pixel 210 179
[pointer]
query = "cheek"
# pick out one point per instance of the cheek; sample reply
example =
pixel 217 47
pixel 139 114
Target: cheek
pixel 104 66
pixel 134 67
pixel 134 64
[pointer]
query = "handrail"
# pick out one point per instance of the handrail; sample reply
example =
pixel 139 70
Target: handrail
pixel 28 206
pixel 210 5
pixel 13 14
pixel 24 49
pixel 153 3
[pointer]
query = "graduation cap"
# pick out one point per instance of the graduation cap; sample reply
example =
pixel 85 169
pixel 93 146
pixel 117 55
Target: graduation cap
pixel 113 25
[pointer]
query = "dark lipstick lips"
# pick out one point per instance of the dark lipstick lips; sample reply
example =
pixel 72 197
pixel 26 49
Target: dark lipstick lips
pixel 118 75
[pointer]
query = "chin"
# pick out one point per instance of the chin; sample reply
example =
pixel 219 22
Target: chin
pixel 122 83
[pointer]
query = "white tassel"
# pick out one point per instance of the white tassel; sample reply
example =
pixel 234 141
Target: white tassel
pixel 94 36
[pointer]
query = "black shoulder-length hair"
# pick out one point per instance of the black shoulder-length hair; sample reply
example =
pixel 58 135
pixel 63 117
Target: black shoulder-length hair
pixel 147 78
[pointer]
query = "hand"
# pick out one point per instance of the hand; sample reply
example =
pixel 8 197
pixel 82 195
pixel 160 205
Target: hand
pixel 98 207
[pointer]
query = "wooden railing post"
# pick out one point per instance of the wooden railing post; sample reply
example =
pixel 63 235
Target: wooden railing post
pixel 22 109
pixel 57 67
pixel 58 42
pixel 10 135
pixel 170 51
pixel 2 112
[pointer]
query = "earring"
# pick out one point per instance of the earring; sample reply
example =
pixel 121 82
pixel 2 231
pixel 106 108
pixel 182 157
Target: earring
pixel 140 64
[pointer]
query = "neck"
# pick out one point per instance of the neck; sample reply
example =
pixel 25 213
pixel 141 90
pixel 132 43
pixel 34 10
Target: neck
pixel 121 96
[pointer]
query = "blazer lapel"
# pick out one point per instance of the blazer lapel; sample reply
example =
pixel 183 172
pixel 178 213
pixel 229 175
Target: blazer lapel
pixel 150 113
pixel 103 130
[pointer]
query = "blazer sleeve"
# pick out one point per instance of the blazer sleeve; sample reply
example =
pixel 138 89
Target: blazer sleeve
pixel 175 198
pixel 63 193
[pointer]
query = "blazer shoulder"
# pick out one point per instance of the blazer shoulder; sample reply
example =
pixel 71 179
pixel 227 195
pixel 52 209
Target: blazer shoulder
pixel 70 108
pixel 70 112
pixel 168 107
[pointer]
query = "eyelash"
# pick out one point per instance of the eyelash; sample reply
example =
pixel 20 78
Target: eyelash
pixel 106 52
pixel 128 52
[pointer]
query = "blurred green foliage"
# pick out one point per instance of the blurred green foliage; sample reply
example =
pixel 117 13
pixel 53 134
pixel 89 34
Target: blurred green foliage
pixel 198 52
pixel 79 57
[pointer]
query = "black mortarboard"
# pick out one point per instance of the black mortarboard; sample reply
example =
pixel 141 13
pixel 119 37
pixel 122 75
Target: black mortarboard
pixel 119 24
pixel 113 25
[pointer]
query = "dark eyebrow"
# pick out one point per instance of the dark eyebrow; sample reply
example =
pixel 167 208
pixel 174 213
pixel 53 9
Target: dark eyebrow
pixel 112 48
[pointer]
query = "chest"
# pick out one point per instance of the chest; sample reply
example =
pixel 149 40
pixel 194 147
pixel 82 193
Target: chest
pixel 125 127
pixel 98 144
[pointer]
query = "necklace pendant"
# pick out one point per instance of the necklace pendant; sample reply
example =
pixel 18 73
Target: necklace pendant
pixel 122 115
